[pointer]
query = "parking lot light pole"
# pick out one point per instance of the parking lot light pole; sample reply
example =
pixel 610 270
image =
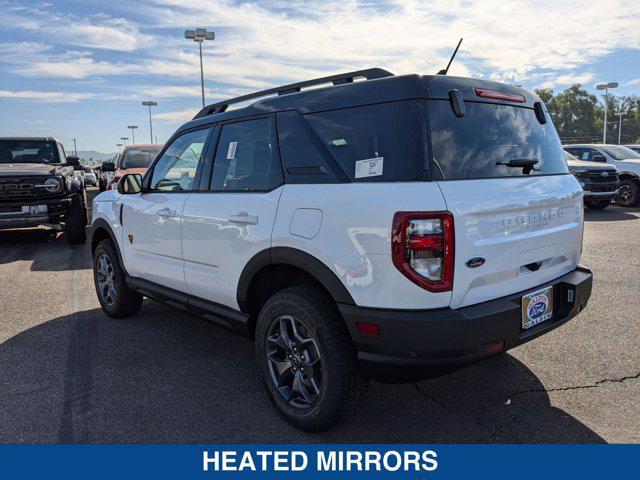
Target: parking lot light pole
pixel 620 114
pixel 133 135
pixel 119 145
pixel 75 148
pixel 150 103
pixel 124 139
pixel 605 87
pixel 199 35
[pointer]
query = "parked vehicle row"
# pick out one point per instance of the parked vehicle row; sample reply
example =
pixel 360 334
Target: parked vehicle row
pixel 352 238
pixel 41 185
pixel 625 160
pixel 132 159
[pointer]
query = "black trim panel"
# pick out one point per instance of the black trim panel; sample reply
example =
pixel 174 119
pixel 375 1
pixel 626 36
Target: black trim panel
pixel 294 258
pixel 416 344
pixel 228 317
pixel 101 223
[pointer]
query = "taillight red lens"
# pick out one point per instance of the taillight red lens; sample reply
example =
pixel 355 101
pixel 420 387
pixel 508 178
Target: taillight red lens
pixel 423 248
pixel 497 95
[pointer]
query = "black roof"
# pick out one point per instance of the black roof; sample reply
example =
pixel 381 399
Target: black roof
pixel 345 91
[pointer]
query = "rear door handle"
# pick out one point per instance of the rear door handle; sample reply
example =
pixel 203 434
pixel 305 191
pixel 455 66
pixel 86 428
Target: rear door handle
pixel 244 219
pixel 166 213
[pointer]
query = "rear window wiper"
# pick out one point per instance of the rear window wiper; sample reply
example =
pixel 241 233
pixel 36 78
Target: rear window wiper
pixel 526 164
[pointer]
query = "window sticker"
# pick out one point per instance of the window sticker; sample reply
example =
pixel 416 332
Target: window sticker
pixel 231 153
pixel 370 167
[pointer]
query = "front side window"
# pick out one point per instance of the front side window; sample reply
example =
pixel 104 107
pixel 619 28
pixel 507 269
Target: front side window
pixel 492 141
pixel 244 157
pixel 176 169
pixel 360 139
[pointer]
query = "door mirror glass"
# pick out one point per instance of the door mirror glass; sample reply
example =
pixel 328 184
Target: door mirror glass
pixel 73 160
pixel 130 184
pixel 108 167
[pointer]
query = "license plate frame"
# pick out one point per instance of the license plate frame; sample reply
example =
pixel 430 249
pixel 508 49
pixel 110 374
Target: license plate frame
pixel 537 307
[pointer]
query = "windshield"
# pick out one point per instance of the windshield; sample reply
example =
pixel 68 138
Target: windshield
pixel 492 141
pixel 139 157
pixel 28 151
pixel 620 153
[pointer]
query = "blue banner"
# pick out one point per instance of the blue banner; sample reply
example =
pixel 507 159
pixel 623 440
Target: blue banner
pixel 539 462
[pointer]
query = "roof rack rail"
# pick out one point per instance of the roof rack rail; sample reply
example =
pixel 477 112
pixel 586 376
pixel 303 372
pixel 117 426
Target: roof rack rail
pixel 342 78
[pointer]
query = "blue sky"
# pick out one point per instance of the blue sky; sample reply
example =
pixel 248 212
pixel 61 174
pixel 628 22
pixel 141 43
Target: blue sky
pixel 80 69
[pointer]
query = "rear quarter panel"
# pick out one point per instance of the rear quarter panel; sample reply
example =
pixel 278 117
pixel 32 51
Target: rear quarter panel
pixel 352 236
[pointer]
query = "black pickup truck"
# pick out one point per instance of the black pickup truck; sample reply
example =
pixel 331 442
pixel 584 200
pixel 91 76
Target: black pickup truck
pixel 41 185
pixel 599 181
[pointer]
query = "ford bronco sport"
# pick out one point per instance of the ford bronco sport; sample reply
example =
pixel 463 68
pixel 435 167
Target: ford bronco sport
pixel 41 185
pixel 390 228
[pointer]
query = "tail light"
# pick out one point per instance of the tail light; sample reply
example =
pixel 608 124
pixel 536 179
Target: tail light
pixel 423 248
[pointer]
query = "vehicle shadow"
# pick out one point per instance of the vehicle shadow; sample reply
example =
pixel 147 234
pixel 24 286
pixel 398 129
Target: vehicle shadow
pixel 46 248
pixel 611 213
pixel 166 376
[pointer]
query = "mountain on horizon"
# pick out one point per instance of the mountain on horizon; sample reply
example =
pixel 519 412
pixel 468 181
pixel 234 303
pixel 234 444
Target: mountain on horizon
pixel 94 156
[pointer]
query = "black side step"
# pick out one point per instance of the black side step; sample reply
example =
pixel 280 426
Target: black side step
pixel 221 314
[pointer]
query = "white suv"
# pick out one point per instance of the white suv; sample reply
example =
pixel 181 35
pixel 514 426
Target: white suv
pixel 626 161
pixel 394 228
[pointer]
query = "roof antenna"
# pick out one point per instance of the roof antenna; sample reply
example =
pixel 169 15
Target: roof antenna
pixel 444 72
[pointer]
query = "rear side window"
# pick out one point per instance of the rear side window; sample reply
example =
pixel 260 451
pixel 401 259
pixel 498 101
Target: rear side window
pixel 245 157
pixel 487 138
pixel 360 139
pixel 304 158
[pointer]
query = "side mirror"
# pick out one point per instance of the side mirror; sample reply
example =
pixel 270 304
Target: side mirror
pixel 598 158
pixel 130 184
pixel 108 167
pixel 73 160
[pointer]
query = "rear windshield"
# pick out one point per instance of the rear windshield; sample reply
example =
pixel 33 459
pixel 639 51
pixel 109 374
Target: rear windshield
pixel 488 137
pixel 139 157
pixel 28 151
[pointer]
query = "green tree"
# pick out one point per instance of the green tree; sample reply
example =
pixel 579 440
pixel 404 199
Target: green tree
pixel 579 116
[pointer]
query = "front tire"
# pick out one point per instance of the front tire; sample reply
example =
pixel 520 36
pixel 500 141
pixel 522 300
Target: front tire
pixel 116 298
pixel 76 219
pixel 597 204
pixel 307 359
pixel 628 193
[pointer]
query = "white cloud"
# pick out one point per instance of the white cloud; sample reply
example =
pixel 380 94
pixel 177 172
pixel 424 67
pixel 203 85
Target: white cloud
pixel 106 33
pixel 97 31
pixel 179 116
pixel 294 41
pixel 567 79
pixel 58 97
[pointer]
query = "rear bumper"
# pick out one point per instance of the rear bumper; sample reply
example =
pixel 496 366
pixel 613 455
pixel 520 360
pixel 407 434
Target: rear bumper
pixel 416 344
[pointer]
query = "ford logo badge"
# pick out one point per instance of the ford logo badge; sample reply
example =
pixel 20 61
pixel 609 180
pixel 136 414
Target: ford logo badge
pixel 475 262
pixel 604 174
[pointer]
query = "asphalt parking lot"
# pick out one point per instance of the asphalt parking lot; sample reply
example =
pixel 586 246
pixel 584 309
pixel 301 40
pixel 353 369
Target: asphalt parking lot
pixel 68 373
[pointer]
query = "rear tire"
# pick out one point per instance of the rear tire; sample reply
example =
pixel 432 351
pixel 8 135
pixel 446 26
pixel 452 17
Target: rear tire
pixel 597 204
pixel 628 193
pixel 333 386
pixel 116 298
pixel 76 219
